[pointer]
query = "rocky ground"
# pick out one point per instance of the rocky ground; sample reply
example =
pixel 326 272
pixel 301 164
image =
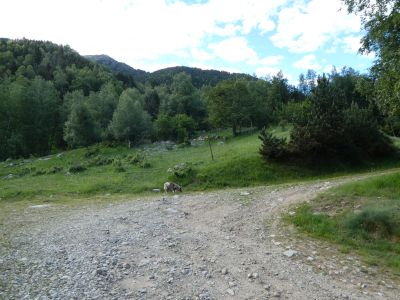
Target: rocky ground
pixel 220 245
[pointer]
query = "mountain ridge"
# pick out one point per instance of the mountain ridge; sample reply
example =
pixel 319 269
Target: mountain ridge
pixel 199 76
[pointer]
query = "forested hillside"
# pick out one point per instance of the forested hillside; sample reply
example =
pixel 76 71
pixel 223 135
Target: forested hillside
pixel 52 98
pixel 118 68
pixel 164 76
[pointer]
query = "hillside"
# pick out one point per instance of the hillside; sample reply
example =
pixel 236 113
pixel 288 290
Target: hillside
pixel 164 76
pixel 199 77
pixel 119 67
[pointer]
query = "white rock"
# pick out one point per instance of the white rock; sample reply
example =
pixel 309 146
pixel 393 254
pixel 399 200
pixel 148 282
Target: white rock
pixel 245 193
pixel 230 292
pixel 290 253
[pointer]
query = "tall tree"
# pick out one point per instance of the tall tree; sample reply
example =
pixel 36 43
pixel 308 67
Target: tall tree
pixel 130 121
pixel 230 104
pixel 381 21
pixel 80 128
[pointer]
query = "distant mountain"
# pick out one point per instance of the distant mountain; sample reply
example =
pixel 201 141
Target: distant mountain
pixel 118 67
pixel 199 77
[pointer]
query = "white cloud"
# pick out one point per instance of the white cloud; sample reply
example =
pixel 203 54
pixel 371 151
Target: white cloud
pixel 351 43
pixel 309 25
pixel 140 29
pixel 307 62
pixel 235 49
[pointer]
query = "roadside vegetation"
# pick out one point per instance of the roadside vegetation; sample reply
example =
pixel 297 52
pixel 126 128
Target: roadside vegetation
pixel 103 170
pixel 361 216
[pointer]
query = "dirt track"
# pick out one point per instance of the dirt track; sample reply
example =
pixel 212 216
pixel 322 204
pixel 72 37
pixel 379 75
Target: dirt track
pixel 219 245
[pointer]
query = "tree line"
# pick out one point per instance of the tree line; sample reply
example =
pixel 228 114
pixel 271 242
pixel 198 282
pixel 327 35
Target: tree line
pixel 53 98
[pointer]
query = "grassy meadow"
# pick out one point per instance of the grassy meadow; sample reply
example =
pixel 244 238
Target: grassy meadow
pixel 98 170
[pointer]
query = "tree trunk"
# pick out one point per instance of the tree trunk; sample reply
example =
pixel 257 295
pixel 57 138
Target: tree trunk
pixel 234 131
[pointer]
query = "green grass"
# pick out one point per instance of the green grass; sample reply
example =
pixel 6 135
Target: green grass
pixel 362 216
pixel 122 171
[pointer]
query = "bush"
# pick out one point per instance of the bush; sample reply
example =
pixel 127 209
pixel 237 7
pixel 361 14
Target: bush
pixel 183 173
pixel 76 168
pixel 272 147
pixel 100 160
pixel 374 223
pixel 54 170
pixel 92 151
pixel 135 159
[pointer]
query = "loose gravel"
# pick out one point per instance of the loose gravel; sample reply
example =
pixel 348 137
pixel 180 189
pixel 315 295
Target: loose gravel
pixel 228 244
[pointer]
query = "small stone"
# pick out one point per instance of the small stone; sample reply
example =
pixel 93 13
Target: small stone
pixel 363 286
pixel 142 291
pixel 277 295
pixel 230 292
pixel 290 253
pixel 127 266
pixel 155 190
pixel 231 284
pixel 310 258
pixel 224 271
pixel 245 193
pixel 102 272
pixel 267 287
pixel 170 280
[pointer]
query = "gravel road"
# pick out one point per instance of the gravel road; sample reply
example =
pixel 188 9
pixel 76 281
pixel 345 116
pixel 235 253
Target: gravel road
pixel 227 244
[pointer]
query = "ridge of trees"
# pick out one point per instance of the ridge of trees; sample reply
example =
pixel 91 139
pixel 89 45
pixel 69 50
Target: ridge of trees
pixel 164 76
pixel 53 98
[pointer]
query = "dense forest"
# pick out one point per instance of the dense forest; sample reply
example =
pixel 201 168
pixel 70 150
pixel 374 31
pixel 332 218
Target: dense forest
pixel 52 98
pixel 164 76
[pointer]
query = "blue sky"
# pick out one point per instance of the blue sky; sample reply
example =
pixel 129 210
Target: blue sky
pixel 252 36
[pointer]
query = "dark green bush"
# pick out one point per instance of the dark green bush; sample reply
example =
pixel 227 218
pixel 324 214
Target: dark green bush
pixel 272 147
pixel 54 170
pixel 375 223
pixel 76 168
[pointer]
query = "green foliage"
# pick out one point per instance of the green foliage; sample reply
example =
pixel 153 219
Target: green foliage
pixel 229 104
pixel 28 111
pixel 179 128
pixel 81 128
pixel 375 223
pixel 77 168
pixel 335 129
pixel 381 22
pixel 130 122
pixel 272 147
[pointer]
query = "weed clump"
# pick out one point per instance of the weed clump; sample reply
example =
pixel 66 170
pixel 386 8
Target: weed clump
pixel 77 168
pixel 374 223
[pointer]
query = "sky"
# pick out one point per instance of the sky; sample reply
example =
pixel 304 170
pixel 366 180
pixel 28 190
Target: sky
pixel 258 37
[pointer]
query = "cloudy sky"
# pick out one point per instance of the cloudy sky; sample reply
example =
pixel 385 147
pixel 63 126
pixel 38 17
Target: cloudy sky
pixel 252 36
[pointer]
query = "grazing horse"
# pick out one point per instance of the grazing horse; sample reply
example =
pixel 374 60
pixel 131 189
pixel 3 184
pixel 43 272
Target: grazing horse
pixel 172 187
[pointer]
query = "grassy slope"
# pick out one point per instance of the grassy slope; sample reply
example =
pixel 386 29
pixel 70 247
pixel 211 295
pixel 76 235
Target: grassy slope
pixel 362 216
pixel 237 163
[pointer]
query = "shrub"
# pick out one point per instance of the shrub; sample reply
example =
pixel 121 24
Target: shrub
pixel 183 173
pixel 135 159
pixel 374 223
pixel 100 160
pixel 76 168
pixel 272 147
pixel 54 170
pixel 92 151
